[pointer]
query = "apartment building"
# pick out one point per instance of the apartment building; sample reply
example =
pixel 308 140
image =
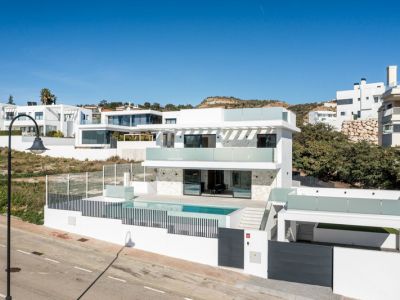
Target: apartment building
pixel 60 117
pixel 389 112
pixel 323 116
pixel 360 103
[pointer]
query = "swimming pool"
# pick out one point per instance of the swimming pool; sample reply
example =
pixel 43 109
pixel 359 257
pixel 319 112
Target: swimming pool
pixel 186 208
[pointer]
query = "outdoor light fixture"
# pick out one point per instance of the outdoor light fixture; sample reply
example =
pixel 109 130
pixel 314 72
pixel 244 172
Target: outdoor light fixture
pixel 37 148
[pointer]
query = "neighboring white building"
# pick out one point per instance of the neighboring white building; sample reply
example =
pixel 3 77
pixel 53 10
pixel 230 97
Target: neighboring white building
pixel 4 114
pixel 322 116
pixel 59 117
pixel 362 102
pixel 389 113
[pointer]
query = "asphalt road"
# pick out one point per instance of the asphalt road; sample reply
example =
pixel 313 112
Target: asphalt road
pixel 55 265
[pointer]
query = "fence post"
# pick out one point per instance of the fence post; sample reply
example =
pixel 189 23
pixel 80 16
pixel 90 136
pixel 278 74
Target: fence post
pixel 87 182
pixel 131 171
pixel 103 179
pixel 68 191
pixel 115 174
pixel 47 191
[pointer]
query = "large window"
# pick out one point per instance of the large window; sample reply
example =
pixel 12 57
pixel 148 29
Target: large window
pixel 168 139
pixel 344 101
pixel 200 140
pixel 266 140
pixel 241 184
pixel 96 137
pixel 134 120
pixel 192 182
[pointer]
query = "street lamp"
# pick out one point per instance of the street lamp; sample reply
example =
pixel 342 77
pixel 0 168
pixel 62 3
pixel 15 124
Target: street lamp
pixel 37 148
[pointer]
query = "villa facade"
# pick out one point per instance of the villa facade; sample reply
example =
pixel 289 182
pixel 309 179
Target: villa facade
pixel 58 117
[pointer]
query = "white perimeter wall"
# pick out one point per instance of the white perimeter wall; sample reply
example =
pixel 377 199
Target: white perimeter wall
pixel 359 238
pixel 350 193
pixel 256 253
pixel 366 274
pixel 65 151
pixel 157 240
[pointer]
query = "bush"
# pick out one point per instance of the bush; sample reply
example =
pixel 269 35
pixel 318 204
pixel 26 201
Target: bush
pixel 13 132
pixel 55 133
pixel 321 152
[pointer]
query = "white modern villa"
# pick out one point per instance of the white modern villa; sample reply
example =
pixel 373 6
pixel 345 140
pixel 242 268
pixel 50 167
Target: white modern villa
pixel 322 116
pixel 58 117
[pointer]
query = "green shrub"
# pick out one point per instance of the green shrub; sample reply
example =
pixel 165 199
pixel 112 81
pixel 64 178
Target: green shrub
pixel 13 132
pixel 55 133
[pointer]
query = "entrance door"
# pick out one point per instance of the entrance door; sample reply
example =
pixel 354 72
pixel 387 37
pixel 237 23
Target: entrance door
pixel 191 182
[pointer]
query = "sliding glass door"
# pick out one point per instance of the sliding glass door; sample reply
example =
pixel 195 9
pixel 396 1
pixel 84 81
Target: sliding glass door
pixel 241 184
pixel 192 182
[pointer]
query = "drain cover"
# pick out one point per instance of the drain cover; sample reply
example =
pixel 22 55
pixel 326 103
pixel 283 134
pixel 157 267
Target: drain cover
pixel 83 240
pixel 37 253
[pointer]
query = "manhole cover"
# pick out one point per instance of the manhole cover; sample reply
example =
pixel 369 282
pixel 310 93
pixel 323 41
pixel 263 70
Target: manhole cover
pixel 83 240
pixel 37 253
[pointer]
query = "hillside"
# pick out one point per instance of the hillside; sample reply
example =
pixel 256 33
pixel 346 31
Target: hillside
pixel 301 110
pixel 232 102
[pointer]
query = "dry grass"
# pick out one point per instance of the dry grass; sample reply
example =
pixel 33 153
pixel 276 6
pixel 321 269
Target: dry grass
pixel 26 164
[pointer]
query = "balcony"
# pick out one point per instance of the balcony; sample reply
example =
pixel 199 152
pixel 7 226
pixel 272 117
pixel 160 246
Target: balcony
pixel 392 114
pixel 212 158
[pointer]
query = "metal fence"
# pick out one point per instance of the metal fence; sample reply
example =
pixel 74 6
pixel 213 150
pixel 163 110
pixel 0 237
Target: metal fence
pixel 200 227
pixel 92 184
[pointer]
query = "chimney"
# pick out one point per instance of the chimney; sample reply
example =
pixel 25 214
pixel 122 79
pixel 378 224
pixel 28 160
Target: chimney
pixel 391 76
pixel 363 81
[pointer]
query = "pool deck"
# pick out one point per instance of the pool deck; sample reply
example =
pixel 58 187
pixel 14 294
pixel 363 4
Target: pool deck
pixel 202 200
pixel 197 200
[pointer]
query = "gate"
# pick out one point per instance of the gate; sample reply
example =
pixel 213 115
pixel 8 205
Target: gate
pixel 231 247
pixel 300 262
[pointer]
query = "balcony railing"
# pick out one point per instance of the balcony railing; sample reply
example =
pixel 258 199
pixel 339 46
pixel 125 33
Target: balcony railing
pixel 211 154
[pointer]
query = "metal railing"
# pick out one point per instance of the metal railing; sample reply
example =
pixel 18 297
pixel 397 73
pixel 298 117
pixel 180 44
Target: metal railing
pixel 200 227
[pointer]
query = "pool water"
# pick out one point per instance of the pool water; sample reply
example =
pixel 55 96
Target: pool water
pixel 208 209
pixel 185 208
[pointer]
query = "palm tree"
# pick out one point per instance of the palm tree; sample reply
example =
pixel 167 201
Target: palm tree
pixel 10 99
pixel 46 97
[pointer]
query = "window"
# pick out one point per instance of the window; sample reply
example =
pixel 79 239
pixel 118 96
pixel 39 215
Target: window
pixel 396 128
pixel 96 137
pixel 39 115
pixel 389 106
pixel 358 99
pixel 266 140
pixel 367 98
pixel 170 121
pixel 199 141
pixel 344 101
pixel 342 113
pixel 241 184
pixel 168 140
pixel 192 182
pixel 22 113
pixel 376 99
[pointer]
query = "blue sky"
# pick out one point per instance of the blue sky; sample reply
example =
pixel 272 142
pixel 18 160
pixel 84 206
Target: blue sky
pixel 183 51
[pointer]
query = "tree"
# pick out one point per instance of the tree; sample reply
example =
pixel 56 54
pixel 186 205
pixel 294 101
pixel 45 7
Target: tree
pixel 46 97
pixel 10 99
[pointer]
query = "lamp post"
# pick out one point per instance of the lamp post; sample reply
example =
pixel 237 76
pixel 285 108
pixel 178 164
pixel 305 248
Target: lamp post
pixel 37 148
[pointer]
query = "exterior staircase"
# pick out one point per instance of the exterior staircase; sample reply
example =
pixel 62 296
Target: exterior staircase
pixel 251 218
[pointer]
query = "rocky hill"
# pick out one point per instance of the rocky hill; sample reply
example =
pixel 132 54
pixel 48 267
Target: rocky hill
pixel 232 102
pixel 301 110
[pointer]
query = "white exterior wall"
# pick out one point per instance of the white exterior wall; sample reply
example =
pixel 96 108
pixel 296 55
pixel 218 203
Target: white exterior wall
pixel 256 253
pixel 157 240
pixel 323 116
pixel 369 108
pixel 358 238
pixel 366 274
pixel 283 156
